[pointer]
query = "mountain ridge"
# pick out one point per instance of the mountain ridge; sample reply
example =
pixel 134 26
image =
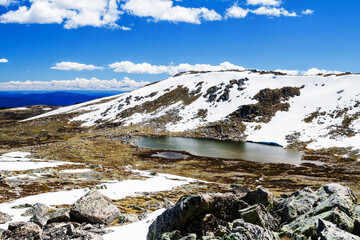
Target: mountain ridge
pixel 301 112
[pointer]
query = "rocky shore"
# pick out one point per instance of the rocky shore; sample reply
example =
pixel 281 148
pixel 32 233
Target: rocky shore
pixel 330 212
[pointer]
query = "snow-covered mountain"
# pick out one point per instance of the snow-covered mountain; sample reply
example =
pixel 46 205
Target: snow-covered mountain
pixel 320 111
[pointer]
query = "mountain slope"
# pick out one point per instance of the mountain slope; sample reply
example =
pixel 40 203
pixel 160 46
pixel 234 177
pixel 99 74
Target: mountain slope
pixel 297 111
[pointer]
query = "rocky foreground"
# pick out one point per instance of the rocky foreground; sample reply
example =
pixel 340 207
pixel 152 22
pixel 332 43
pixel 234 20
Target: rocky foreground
pixel 87 219
pixel 331 212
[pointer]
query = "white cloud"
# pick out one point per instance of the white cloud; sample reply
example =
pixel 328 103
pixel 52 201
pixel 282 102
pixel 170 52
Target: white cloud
pixel 146 68
pixel 288 72
pixel 125 28
pixel 3 60
pixel 310 72
pixel 307 12
pixel 75 66
pixel 78 84
pixel 130 67
pixel 6 2
pixel 273 12
pixel 270 8
pixel 315 71
pixel 164 10
pixel 264 2
pixel 106 13
pixel 73 14
pixel 236 12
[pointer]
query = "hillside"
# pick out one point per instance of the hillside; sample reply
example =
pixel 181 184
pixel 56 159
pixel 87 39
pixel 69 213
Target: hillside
pixel 312 112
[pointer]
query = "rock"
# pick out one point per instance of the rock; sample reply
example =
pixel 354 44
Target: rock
pixel 128 218
pixel 239 190
pixel 39 220
pixel 88 226
pixel 190 236
pixel 59 215
pixel 37 208
pixel 247 231
pixel 211 223
pixel 297 204
pixel 23 230
pixel 259 196
pixel 26 205
pixel 2 233
pixel 327 213
pixel 188 214
pixel 307 226
pixel 221 231
pixel 84 235
pixel 4 218
pixel 327 230
pixel 356 217
pixel 311 203
pixel 95 228
pixel 339 218
pixel 94 208
pixel 258 215
pixel 301 228
pixel 174 235
pixel 335 195
pixel 58 231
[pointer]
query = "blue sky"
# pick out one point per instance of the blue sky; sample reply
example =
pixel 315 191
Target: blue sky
pixel 135 41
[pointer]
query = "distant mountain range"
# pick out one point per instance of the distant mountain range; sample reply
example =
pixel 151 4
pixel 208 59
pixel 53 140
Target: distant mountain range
pixel 20 99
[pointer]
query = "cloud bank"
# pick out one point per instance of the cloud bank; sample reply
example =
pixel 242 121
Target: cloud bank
pixel 125 84
pixel 310 72
pixel 274 12
pixel 315 71
pixel 164 10
pixel 264 2
pixel 75 66
pixel 147 68
pixel 72 14
pixel 107 13
pixel 3 60
pixel 269 8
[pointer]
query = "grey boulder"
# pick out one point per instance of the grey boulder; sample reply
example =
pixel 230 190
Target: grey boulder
pixel 94 207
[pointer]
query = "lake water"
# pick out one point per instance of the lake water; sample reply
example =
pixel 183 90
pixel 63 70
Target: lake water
pixel 223 149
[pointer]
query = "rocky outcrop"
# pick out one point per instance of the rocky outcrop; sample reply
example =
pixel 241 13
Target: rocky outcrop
pixel 198 214
pixel 90 217
pixel 94 208
pixel 23 230
pixel 259 196
pixel 303 211
pixel 36 209
pixel 4 218
pixel 327 213
pixel 59 215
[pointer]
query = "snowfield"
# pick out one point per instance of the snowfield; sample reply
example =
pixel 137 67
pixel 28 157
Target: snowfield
pixel 336 99
pixel 18 161
pixel 113 189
